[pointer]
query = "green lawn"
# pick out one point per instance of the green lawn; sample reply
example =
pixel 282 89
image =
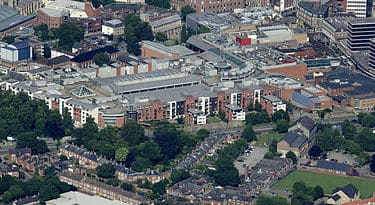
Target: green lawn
pixel 266 137
pixel 326 181
pixel 213 120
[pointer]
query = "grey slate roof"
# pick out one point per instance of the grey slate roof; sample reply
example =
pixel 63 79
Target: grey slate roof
pixel 332 166
pixel 306 122
pixel 295 139
pixel 350 190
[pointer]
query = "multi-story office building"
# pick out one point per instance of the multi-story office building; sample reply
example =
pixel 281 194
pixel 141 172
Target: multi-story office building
pixel 360 8
pixel 371 62
pixel 360 32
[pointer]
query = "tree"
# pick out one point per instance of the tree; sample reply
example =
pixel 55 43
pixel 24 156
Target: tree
pixel 141 164
pixel 135 31
pixel 101 59
pixel 184 34
pixel 348 130
pixel 179 175
pixel 318 192
pixel 127 187
pixel 67 122
pixel 203 29
pixel 268 200
pixel 41 147
pixel 221 115
pixel 315 151
pixel 159 3
pixel 280 115
pixel 42 32
pixel 167 138
pixel 8 39
pixel 133 46
pixel 366 120
pixel 29 140
pixel 273 146
pixel 226 174
pixel 121 154
pixel 372 163
pixel 16 191
pixel 291 156
pixel 257 118
pixel 185 10
pixel 282 126
pixel 54 125
pixel 150 150
pixel 47 51
pixel 159 188
pixel 258 107
pixel 203 134
pixel 113 182
pixel 132 133
pixel 161 36
pixel 249 134
pixel 106 170
pixel 76 34
pixel 6 182
pixel 366 138
pixel 7 197
pixel 48 192
pixel 299 187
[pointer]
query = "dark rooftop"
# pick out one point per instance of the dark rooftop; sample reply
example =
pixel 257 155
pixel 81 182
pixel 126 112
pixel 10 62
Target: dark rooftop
pixel 295 139
pixel 90 54
pixel 333 166
pixel 350 190
pixel 309 6
pixel 306 122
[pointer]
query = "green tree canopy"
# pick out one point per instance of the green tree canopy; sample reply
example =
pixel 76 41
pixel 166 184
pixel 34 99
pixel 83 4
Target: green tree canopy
pixel 348 130
pixel 121 154
pixel 75 32
pixel 132 133
pixel 161 36
pixel 291 156
pixel 268 200
pixel 159 3
pixel 282 126
pixel 105 170
pixel 179 175
pixel 101 59
pixel 249 134
pixel 185 10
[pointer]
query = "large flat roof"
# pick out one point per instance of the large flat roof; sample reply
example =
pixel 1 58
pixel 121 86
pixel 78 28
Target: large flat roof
pixel 161 84
pixel 73 197
pixel 173 94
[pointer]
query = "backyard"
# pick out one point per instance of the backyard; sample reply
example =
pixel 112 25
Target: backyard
pixel 326 181
pixel 265 138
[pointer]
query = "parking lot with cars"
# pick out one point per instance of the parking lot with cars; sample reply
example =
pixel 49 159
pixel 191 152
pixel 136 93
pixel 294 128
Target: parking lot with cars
pixel 249 158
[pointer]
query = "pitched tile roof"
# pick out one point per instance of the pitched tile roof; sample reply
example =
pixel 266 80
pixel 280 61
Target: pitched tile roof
pixel 306 122
pixel 295 139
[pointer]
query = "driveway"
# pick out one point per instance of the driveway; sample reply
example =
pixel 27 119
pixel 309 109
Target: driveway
pixel 250 159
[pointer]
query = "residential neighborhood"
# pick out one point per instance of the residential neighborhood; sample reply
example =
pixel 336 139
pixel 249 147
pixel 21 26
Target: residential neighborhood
pixel 180 102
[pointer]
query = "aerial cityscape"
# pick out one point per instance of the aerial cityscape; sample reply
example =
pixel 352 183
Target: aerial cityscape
pixel 187 102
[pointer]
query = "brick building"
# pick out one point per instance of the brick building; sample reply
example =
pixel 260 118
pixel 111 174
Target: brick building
pixel 215 6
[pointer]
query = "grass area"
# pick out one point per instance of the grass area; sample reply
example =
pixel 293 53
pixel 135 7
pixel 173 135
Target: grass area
pixel 213 120
pixel 265 137
pixel 326 181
